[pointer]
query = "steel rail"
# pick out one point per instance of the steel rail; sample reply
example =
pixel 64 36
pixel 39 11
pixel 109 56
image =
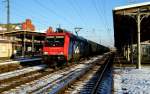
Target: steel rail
pixel 15 73
pixel 51 78
pixel 60 84
pixel 94 90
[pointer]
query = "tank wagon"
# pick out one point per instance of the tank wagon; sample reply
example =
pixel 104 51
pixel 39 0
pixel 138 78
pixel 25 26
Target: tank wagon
pixel 62 47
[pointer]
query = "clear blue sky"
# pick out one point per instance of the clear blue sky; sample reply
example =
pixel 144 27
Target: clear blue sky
pixel 94 16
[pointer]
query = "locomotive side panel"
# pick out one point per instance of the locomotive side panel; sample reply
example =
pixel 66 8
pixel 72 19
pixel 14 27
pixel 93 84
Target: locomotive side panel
pixel 78 48
pixel 70 50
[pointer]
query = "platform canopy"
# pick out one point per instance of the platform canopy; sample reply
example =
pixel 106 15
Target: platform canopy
pixel 125 24
pixel 28 33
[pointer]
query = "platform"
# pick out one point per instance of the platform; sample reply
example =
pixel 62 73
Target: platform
pixel 17 61
pixel 129 80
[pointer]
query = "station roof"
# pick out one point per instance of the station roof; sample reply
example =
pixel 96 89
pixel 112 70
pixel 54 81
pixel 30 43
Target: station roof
pixel 125 24
pixel 28 33
pixel 5 41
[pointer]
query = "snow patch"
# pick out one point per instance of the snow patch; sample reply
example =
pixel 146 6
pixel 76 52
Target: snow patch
pixel 131 81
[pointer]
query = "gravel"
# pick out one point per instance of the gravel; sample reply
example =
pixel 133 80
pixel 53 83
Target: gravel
pixel 15 73
pixel 105 87
pixel 130 80
pixel 49 79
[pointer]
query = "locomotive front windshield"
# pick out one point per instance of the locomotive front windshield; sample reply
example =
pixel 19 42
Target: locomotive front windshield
pixel 54 41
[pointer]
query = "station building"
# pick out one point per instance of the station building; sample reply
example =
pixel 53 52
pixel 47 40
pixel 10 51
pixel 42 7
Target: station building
pixel 132 30
pixel 5 49
pixel 22 41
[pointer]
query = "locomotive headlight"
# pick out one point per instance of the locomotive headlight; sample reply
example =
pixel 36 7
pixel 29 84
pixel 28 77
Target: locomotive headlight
pixel 45 53
pixel 61 53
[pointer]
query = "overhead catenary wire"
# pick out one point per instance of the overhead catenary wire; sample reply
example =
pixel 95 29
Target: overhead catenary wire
pixel 1 14
pixel 16 13
pixel 78 13
pixel 6 11
pixel 103 10
pixel 53 12
pixel 131 1
pixel 58 25
pixel 101 18
pixel 100 15
pixel 81 11
pixel 34 18
pixel 110 32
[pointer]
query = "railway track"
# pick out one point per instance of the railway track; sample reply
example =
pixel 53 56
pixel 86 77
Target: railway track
pixel 15 73
pixel 90 82
pixel 14 78
pixel 53 81
pixel 11 65
pixel 79 85
pixel 40 79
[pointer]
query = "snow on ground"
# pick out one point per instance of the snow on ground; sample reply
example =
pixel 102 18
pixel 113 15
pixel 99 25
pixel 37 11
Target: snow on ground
pixel 130 80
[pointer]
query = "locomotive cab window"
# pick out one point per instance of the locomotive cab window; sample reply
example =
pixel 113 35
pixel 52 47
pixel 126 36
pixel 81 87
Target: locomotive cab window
pixel 56 41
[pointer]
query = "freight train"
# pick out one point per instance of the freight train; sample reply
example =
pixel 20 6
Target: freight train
pixel 62 47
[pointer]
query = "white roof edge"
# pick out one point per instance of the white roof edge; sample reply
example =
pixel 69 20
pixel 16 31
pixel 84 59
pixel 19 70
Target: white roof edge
pixel 132 6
